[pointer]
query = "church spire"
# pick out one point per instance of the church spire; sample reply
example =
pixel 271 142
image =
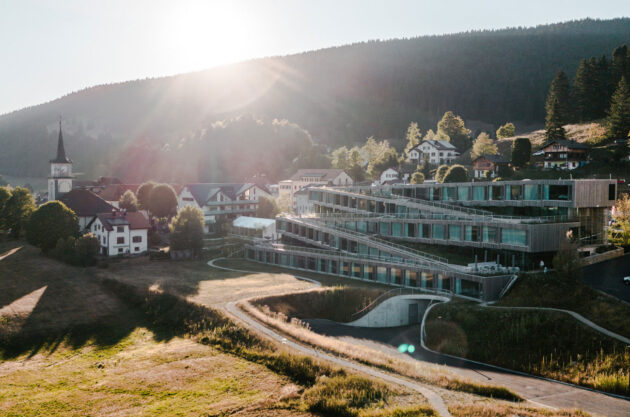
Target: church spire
pixel 61 151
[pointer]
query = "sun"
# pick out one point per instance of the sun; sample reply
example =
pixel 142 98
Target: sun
pixel 208 33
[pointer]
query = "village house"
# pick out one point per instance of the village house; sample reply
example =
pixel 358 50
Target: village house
pixel 564 154
pixel 485 164
pixel 221 202
pixel 86 205
pixel 121 232
pixel 306 177
pixel 438 152
pixel 390 175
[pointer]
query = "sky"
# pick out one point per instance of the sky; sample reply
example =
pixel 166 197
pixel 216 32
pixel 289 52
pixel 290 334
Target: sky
pixel 50 48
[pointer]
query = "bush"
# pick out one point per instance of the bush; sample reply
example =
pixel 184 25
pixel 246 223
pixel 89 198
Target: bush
pixel 80 252
pixel 440 173
pixel 456 173
pixel 343 395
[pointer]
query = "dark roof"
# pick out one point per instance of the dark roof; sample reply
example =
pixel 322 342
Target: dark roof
pixel 61 151
pixel 323 174
pixel 440 145
pixel 497 159
pixel 113 192
pixel 135 220
pixel 85 203
pixel 202 192
pixel 569 144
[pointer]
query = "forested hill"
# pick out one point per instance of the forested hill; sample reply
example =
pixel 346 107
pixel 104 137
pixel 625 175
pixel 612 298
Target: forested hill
pixel 339 95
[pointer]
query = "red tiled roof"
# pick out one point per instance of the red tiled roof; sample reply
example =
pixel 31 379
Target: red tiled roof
pixel 135 220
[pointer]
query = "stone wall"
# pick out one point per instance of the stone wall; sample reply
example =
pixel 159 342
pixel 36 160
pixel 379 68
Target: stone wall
pixel 601 257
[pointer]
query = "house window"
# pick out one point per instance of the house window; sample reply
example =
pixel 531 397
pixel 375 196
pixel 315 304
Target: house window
pixel 104 241
pixel 137 239
pixel 120 250
pixel 137 249
pixel 120 240
pixel 187 199
pixel 120 229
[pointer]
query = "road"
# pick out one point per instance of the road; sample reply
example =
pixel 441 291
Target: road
pixel 536 390
pixel 606 276
pixel 539 391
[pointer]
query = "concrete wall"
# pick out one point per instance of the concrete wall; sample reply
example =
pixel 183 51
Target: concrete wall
pixel 601 257
pixel 394 311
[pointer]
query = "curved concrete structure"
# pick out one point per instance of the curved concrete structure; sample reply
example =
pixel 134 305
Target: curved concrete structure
pixel 399 310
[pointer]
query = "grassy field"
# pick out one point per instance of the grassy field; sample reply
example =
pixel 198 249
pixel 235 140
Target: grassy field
pixel 547 290
pixel 85 343
pixel 546 343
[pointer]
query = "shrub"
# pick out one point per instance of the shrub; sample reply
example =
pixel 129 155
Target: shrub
pixel 343 395
pixel 440 173
pixel 456 173
pixel 80 252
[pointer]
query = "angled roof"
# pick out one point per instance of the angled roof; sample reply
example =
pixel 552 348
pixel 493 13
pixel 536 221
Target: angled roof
pixel 568 143
pixel 202 192
pixel 323 174
pixel 135 220
pixel 497 159
pixel 61 151
pixel 113 192
pixel 440 145
pixel 85 203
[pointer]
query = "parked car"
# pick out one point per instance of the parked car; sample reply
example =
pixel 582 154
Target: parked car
pixel 626 280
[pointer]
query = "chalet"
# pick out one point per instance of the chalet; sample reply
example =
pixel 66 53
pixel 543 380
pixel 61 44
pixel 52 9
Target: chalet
pixel 306 177
pixel 121 232
pixel 485 164
pixel 390 174
pixel 86 205
pixel 221 201
pixel 564 154
pixel 437 152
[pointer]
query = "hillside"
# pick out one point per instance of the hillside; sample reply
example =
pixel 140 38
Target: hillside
pixel 336 96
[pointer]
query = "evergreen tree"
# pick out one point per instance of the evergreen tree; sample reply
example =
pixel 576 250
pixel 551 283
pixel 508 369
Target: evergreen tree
pixel 483 145
pixel 618 122
pixel 585 93
pixel 620 65
pixel 603 86
pixel 554 129
pixel 560 90
pixel 413 137
pixel 521 152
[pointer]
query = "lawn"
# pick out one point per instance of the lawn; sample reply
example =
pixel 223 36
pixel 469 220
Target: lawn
pixel 547 290
pixel 546 343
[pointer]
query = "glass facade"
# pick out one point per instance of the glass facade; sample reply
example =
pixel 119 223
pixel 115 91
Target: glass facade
pixel 479 193
pixel 514 237
pixel 454 232
pixel 438 231
pixel 489 234
pixel 463 193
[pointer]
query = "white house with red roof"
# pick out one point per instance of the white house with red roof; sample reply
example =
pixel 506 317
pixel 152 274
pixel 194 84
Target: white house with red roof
pixel 121 233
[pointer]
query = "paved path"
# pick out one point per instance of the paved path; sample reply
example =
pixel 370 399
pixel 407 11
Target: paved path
pixel 606 276
pixel 9 253
pixel 432 397
pixel 540 391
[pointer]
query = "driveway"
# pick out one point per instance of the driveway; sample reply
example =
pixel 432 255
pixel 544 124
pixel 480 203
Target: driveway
pixel 606 276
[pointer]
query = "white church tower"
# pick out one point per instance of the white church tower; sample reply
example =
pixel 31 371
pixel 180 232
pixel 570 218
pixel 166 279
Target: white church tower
pixel 60 180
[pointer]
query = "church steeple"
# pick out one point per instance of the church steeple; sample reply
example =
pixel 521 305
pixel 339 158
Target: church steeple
pixel 61 151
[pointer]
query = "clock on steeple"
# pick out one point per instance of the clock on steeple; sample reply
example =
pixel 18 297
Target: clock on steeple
pixel 60 179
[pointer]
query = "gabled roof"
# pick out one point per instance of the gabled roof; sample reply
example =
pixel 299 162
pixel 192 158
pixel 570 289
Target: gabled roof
pixel 440 145
pixel 571 144
pixel 135 220
pixel 61 151
pixel 323 174
pixel 497 159
pixel 85 203
pixel 202 192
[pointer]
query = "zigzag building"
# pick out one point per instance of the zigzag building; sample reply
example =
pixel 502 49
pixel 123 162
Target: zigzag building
pixel 373 233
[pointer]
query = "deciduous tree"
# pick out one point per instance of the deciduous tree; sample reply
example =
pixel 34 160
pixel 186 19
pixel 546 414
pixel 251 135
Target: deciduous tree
pixel 619 231
pixel 128 201
pixel 417 178
pixel 187 229
pixel 413 137
pixel 163 201
pixel 506 131
pixel 17 210
pixel 454 127
pixel 440 172
pixel 483 145
pixel 267 208
pixel 456 173
pixel 143 194
pixel 49 223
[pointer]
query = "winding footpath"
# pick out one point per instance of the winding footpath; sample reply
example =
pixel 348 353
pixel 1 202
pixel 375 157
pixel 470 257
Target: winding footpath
pixel 432 397
pixel 540 391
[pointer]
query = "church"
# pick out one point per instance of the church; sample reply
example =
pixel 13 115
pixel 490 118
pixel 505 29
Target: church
pixel 118 232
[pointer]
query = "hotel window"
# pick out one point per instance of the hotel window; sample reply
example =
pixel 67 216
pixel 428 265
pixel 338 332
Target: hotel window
pixel 454 232
pixel 531 192
pixel 489 234
pixel 514 237
pixel 438 231
pixel 479 193
pixel 471 233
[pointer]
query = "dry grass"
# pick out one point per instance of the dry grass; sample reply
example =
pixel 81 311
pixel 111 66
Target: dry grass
pixel 337 304
pixel 503 410
pixel 585 132
pixel 423 372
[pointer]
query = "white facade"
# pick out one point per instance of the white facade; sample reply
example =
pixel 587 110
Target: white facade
pixel 302 203
pixel 437 151
pixel 60 180
pixel 121 240
pixel 390 174
pixel 304 178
